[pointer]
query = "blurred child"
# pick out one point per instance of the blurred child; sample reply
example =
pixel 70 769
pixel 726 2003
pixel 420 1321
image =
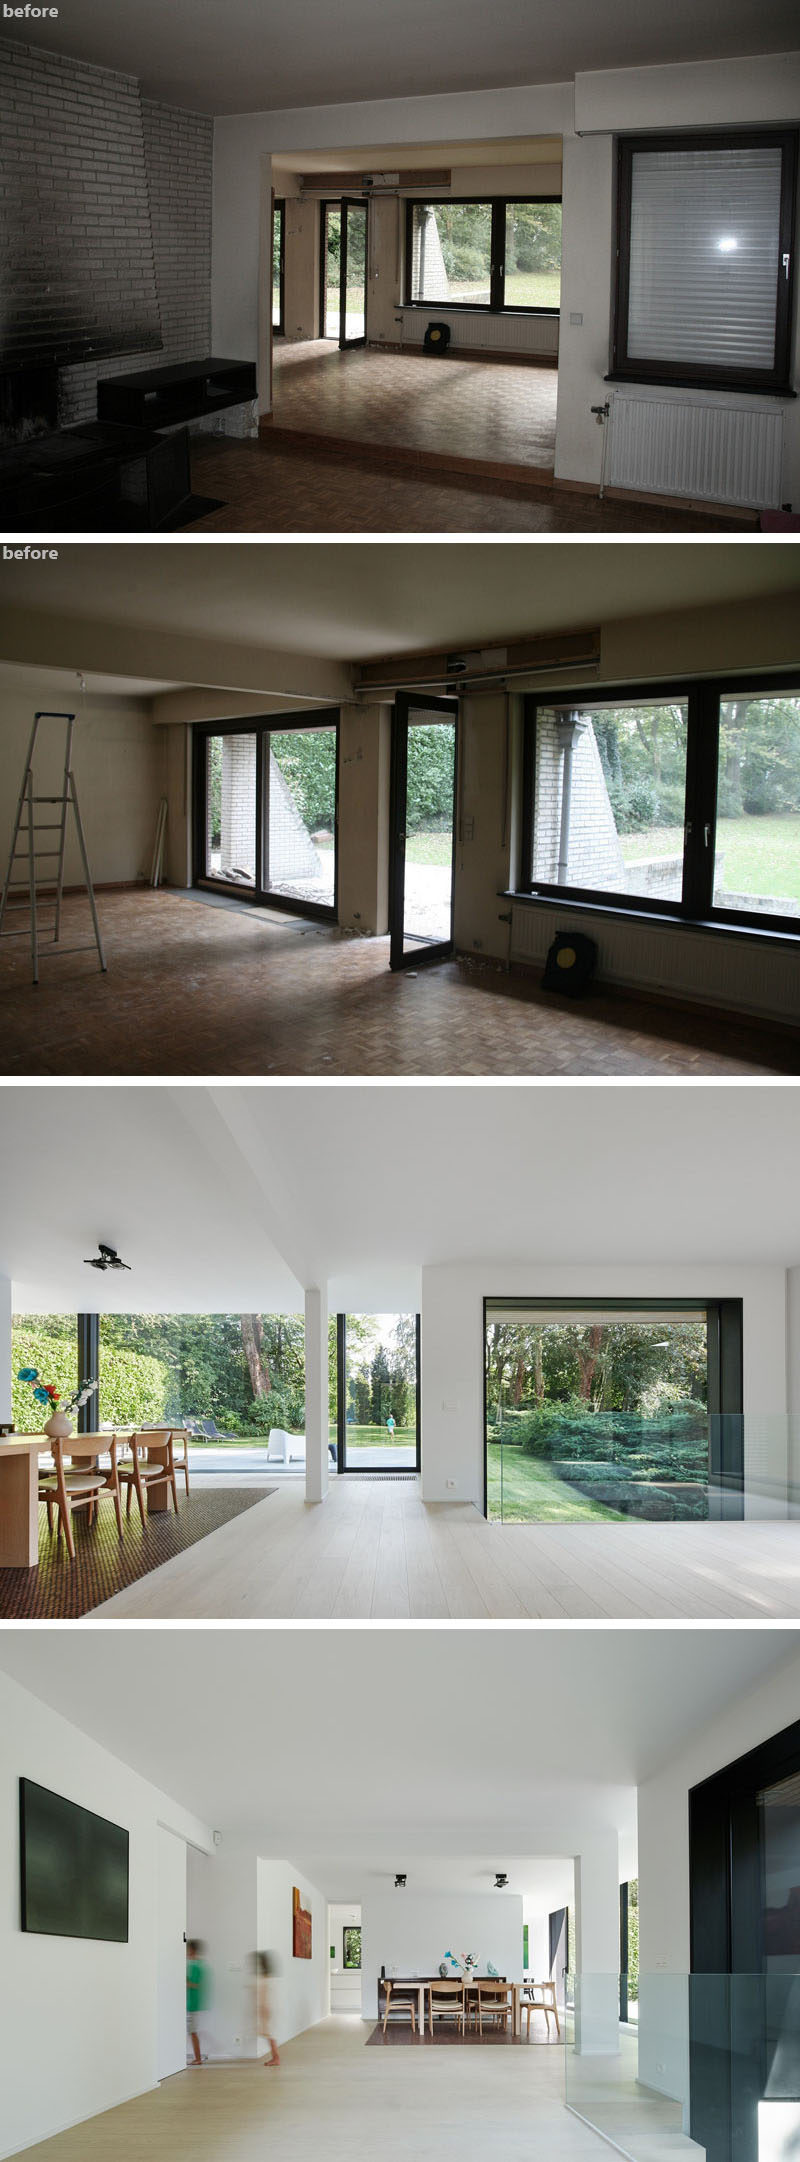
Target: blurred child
pixel 263 1968
pixel 197 1993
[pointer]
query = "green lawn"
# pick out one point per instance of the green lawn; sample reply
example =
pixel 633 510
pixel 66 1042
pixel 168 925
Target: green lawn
pixel 376 1437
pixel 524 289
pixel 760 855
pixel 430 848
pixel 531 1492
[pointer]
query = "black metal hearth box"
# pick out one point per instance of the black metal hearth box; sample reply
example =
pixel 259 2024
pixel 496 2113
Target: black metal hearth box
pixel 163 397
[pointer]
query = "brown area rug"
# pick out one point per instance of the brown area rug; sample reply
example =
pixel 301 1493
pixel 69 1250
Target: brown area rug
pixel 61 1590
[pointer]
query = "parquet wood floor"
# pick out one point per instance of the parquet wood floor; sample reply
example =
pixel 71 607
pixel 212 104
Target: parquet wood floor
pixel 270 488
pixel 378 1552
pixel 495 412
pixel 194 989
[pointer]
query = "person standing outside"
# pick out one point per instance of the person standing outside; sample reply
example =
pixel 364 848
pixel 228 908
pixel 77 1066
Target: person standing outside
pixel 197 1985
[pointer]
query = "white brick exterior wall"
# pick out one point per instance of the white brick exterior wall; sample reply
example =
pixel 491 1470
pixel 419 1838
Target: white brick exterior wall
pixel 106 203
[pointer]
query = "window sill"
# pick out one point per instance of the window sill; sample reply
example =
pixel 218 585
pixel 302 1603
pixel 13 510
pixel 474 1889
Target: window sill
pixel 789 940
pixel 691 382
pixel 475 307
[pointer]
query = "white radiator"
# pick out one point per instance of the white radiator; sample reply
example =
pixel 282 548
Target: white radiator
pixel 498 333
pixel 716 453
pixel 737 975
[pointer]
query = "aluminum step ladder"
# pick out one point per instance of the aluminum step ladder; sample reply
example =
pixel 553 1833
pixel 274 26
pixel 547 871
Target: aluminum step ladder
pixel 25 849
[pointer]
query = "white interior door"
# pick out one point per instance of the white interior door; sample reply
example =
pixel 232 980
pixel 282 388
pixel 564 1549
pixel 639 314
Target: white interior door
pixel 171 1954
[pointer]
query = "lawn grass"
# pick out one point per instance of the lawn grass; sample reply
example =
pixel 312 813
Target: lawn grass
pixel 531 1493
pixel 524 289
pixel 759 855
pixel 436 848
pixel 376 1437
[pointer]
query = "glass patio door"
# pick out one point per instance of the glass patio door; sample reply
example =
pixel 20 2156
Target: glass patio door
pixel 378 1392
pixel 266 812
pixel 353 274
pixel 423 829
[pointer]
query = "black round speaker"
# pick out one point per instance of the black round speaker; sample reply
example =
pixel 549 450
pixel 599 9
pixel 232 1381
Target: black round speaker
pixel 570 964
pixel 437 338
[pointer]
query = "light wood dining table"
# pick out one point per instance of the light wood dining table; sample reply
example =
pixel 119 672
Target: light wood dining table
pixel 19 1487
pixel 419 1984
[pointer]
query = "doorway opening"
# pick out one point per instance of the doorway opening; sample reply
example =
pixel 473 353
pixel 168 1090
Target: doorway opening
pixel 378 1393
pixel 343 271
pixel 423 829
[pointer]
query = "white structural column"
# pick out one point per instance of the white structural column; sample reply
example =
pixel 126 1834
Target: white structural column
pixel 793 1315
pixel 5 1351
pixel 316 1395
pixel 597 1947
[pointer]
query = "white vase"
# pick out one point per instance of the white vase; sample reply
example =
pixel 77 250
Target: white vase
pixel 58 1427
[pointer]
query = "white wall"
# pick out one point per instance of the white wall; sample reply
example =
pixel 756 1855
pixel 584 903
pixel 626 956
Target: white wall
pixel 120 773
pixel 222 1911
pixel 171 1952
pixel 344 1982
pixel 78 2020
pixel 664 1869
pixel 299 1994
pixel 452 1350
pixel 411 1932
pixel 793 1325
pixel 6 1305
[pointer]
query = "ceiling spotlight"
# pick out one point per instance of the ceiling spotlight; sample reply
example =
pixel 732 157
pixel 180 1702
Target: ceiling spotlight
pixel 105 1258
pixel 500 1879
pixel 399 1882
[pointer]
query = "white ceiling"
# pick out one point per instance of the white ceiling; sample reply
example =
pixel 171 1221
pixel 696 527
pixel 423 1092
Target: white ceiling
pixel 352 601
pixel 239 56
pixel 353 1752
pixel 237 1195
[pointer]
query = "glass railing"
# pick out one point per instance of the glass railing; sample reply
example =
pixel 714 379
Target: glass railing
pixel 705 2066
pixel 616 1467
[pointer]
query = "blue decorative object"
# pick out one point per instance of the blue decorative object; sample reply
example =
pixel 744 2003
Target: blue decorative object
pixel 28 1373
pixel 42 1396
pixel 492 1971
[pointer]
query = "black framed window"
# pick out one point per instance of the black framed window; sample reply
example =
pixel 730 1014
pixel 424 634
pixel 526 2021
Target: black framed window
pixel 502 254
pixel 266 811
pixel 613 1410
pixel 705 243
pixel 680 800
pixel 351 1946
pixel 378 1393
pixel 278 268
pixel 629 1952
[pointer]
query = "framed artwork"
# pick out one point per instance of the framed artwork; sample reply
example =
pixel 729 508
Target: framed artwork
pixel 301 1928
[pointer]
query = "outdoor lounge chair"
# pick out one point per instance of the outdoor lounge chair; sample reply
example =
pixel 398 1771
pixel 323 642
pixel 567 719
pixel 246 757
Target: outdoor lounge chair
pixel 212 1432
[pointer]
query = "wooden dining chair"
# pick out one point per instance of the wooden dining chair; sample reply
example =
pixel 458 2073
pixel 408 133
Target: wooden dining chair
pixel 446 2001
pixel 495 2005
pixel 181 1463
pixel 78 1485
pixel 400 2007
pixel 138 1473
pixel 541 1997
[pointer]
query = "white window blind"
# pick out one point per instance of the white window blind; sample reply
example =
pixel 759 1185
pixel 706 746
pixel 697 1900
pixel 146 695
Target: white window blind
pixel 704 257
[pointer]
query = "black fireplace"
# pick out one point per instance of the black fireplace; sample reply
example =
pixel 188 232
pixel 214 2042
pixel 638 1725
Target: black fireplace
pixel 28 403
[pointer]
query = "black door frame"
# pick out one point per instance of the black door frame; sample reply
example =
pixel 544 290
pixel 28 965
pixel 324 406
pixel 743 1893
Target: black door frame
pixel 405 703
pixel 351 202
pixel 262 727
pixel 354 1471
pixel 725 1357
pixel 727 1941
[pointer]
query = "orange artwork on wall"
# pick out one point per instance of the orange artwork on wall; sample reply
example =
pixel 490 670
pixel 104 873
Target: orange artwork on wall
pixel 301 1928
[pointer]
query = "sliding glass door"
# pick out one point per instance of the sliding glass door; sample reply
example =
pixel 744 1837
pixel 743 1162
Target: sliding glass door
pixel 604 1412
pixel 378 1392
pixel 266 812
pixel 423 829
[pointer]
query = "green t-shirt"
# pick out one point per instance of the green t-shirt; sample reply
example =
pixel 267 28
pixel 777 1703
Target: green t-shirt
pixel 196 1985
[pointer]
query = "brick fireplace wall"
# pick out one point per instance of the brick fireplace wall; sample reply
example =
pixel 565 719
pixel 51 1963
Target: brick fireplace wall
pixel 135 180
